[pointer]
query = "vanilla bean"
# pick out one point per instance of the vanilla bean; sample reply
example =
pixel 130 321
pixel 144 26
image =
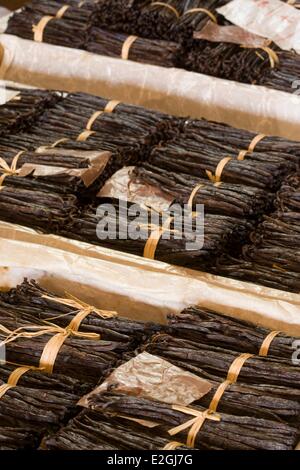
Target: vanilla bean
pixel 206 326
pixel 230 433
pixel 91 431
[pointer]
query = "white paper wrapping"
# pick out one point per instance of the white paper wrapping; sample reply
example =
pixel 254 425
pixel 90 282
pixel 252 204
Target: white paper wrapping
pixel 170 90
pixel 272 19
pixel 137 288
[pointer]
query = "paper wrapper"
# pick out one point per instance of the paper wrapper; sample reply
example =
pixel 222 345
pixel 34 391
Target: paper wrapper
pixel 170 90
pixel 153 378
pixel 272 19
pixel 122 185
pixel 137 288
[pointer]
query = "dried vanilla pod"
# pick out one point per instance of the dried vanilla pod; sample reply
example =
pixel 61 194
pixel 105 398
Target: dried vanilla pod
pixel 27 407
pixel 40 380
pixel 194 154
pixel 234 200
pixel 220 233
pixel 215 360
pixel 206 326
pixel 156 21
pixel 86 359
pixel 147 51
pixel 232 432
pixel 239 139
pixel 15 438
pixel 62 171
pixel 272 259
pixel 29 298
pixel 194 20
pixel 260 400
pixel 70 30
pixel 46 211
pixel 24 109
pixel 92 431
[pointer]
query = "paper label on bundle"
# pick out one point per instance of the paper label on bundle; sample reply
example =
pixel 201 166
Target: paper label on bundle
pixel 148 376
pixel 230 34
pixel 123 185
pixel 271 19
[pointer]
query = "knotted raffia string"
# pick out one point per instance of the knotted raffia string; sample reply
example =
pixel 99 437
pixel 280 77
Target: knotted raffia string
pixel 251 147
pixel 166 5
pixel 202 10
pixel 9 170
pixel 14 378
pixel 38 29
pixel 195 424
pixel 294 3
pixel 193 195
pixel 52 348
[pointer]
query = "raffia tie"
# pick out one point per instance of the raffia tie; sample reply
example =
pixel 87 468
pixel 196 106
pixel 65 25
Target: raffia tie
pixel 201 10
pixel 251 147
pixel 232 377
pixel 39 28
pixel 9 170
pixel 166 5
pixel 195 424
pixel 273 56
pixel 216 178
pixel 155 236
pixel 173 445
pixel 109 108
pixel 54 345
pixel 265 347
pixel 14 378
pixel 83 307
pixel 127 46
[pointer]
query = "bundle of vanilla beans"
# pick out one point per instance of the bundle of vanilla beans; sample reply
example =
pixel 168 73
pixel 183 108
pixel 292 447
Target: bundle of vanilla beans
pixel 149 51
pixel 130 130
pixel 85 359
pixel 24 109
pixel 266 386
pixel 17 438
pixel 206 326
pixel 91 431
pixel 235 200
pixel 180 245
pixel 30 298
pixel 44 210
pixel 70 28
pixel 232 432
pixel 273 258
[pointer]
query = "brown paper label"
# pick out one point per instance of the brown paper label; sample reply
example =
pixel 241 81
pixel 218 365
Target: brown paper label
pixel 231 34
pixel 152 377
